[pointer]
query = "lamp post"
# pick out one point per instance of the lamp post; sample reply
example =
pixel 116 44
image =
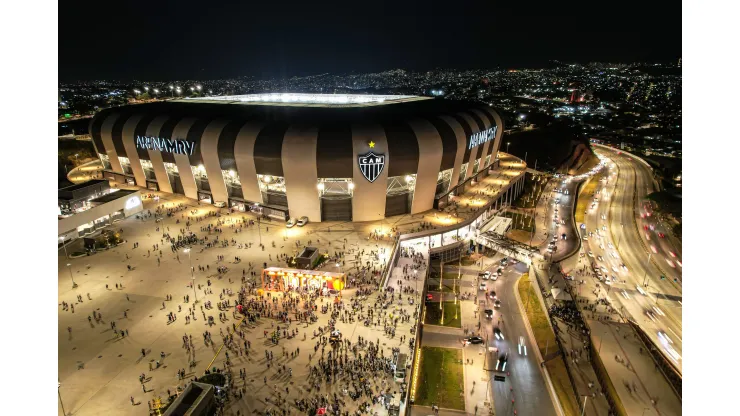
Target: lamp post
pixel 59 386
pixel 507 147
pixel 69 265
pixel 644 279
pixel 192 275
pixel 585 399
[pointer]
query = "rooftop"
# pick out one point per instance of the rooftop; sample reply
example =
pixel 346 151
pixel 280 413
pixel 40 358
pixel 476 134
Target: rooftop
pixel 309 100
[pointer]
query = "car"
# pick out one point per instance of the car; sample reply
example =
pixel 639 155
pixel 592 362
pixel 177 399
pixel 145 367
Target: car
pixel 429 297
pixel 473 340
pixel 615 269
pixel 679 263
pixel 607 280
pixel 670 263
pixel 494 277
pixel 590 253
pixel 614 254
pixel 568 277
pixel 642 215
pixel 563 236
pixel 501 362
pixel 603 216
pixel 603 269
pixel 651 315
pixel 291 222
pixel 567 192
pixel 653 249
pixel 522 347
pixel 601 246
pixel 611 245
pixel 492 294
pixel 645 227
pixel 647 236
pixel 624 267
pixel 482 286
pixel 302 221
pixel 641 290
pixel 652 227
pixel 489 313
pixel 485 275
pixel 661 235
pixel 585 238
pixel 219 204
pixel 499 271
pixel 603 227
pixel 497 303
pixel 672 254
pixel 599 258
pixel 498 334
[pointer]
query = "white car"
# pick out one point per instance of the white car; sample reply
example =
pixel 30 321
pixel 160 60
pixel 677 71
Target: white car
pixel 302 221
pixel 611 246
pixel 590 253
pixel 640 289
pixel 219 204
pixel 522 347
pixel 291 222
pixel 482 286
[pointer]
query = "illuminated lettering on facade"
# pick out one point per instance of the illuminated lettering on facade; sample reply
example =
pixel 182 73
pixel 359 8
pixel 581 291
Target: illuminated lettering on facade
pixel 481 137
pixel 179 146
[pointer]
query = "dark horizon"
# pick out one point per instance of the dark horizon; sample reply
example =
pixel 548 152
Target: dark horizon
pixel 160 42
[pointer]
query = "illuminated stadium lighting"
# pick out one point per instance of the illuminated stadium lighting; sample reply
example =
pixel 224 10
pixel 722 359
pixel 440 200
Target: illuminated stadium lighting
pixel 295 98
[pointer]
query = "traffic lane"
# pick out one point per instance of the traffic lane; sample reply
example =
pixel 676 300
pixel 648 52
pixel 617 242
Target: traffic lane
pixel 638 305
pixel 637 173
pixel 523 376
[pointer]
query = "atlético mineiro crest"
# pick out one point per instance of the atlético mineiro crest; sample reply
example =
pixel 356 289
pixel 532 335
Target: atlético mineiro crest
pixel 371 165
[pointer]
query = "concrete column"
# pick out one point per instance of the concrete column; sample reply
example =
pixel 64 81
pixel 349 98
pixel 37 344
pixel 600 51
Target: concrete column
pixel 301 176
pixel 129 143
pixel 183 161
pixel 430 159
pixel 155 156
pixel 460 153
pixel 106 136
pixel 244 155
pixel 209 153
pixel 368 200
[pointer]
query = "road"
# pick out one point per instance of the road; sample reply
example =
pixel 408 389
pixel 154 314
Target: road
pixel 524 377
pixel 632 258
pixel 554 213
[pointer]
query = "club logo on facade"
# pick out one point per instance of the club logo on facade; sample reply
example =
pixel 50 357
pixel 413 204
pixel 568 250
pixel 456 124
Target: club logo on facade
pixel 371 165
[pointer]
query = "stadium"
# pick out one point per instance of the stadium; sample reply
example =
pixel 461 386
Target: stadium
pixel 327 157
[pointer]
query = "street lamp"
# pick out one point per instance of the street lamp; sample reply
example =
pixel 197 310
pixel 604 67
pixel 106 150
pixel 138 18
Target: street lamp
pixel 69 265
pixel 192 275
pixel 507 146
pixel 59 386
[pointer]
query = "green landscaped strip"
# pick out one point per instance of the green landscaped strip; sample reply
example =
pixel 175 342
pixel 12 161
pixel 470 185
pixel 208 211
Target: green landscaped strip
pixel 452 314
pixel 441 380
pixel 545 338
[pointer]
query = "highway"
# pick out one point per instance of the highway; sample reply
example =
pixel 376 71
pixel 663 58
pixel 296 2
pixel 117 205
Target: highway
pixel 524 376
pixel 633 258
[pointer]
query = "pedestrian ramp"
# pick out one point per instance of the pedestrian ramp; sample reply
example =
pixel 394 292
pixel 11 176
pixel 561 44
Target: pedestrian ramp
pixel 497 225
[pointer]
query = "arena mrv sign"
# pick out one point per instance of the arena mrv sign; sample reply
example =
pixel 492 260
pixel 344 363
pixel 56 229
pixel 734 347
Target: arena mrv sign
pixel 481 137
pixel 179 146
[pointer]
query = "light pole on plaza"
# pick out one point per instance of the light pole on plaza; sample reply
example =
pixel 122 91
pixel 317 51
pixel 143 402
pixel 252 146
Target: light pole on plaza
pixel 507 147
pixel 69 266
pixel 59 386
pixel 192 275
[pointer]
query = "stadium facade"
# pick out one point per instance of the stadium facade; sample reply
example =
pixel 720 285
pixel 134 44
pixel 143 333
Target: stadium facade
pixel 327 157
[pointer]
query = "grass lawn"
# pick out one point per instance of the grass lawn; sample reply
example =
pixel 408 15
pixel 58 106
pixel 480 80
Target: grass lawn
pixel 546 343
pixel 446 288
pixel 520 221
pixel 450 275
pixel 441 380
pixel 467 261
pixel 585 197
pixel 562 385
pixel 433 314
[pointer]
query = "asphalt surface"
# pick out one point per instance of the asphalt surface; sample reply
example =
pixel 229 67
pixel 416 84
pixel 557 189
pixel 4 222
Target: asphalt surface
pixel 560 196
pixel 523 380
pixel 622 240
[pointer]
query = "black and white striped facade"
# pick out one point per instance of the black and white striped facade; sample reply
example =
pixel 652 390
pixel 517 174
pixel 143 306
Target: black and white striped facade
pixel 302 156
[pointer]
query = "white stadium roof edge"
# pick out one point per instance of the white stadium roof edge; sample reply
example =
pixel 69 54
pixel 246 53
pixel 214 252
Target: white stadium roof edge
pixel 300 99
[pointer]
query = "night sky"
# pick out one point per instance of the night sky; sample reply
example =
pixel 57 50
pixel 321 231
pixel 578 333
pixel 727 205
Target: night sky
pixel 153 40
